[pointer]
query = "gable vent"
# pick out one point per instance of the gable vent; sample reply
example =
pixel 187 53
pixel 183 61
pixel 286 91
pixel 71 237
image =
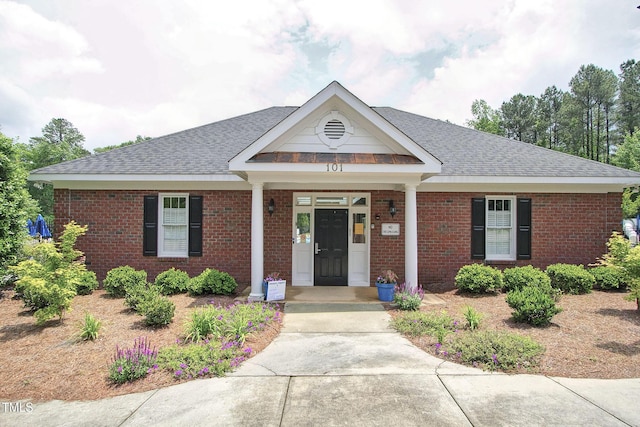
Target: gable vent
pixel 334 129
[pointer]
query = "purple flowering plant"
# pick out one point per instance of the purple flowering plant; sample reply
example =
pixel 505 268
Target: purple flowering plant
pixel 408 297
pixel 129 364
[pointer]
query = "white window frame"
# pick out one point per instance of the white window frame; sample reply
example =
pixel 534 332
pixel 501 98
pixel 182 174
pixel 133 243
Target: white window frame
pixel 511 256
pixel 161 227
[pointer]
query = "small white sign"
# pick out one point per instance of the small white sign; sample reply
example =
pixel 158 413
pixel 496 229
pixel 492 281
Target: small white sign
pixel 276 289
pixel 390 229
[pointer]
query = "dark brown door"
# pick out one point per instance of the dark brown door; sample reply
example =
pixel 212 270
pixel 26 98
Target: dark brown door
pixel 331 247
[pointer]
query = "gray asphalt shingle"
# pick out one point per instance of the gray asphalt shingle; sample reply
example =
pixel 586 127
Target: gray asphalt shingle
pixel 206 150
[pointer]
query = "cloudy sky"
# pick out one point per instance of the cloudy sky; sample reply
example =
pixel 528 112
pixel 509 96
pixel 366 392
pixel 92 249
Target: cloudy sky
pixel 117 69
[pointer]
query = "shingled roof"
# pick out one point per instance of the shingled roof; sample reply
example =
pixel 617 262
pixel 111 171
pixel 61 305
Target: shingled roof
pixel 206 150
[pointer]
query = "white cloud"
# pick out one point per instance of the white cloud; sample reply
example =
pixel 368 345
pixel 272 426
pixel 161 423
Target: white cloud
pixel 150 67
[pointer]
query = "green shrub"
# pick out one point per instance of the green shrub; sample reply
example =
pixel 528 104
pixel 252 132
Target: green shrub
pixel 478 278
pixel 533 304
pixel 519 277
pixel 610 277
pixel 617 250
pixel 88 283
pixel 138 293
pixel 130 364
pixel 90 327
pixel 496 350
pixel 157 309
pixel 570 279
pixel 47 282
pixel 120 278
pixel 212 281
pixel 172 281
pixel 473 317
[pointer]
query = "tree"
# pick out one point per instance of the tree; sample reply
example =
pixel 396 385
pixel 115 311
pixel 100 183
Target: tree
pixel 60 141
pixel 628 156
pixel 549 107
pixel 519 119
pixel 16 205
pixel 629 99
pixel 138 139
pixel 594 91
pixel 486 118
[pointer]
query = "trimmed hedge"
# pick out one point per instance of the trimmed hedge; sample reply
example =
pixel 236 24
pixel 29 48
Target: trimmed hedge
pixel 533 304
pixel 610 278
pixel 120 278
pixel 570 279
pixel 478 278
pixel 518 277
pixel 172 281
pixel 212 281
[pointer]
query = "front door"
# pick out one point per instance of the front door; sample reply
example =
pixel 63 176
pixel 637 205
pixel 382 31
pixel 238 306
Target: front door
pixel 331 247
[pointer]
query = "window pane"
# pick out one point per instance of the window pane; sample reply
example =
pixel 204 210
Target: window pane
pixel 331 201
pixel 359 227
pixel 359 201
pixel 303 201
pixel 498 241
pixel 303 230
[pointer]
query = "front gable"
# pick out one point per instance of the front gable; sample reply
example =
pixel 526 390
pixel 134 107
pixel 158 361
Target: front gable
pixel 335 132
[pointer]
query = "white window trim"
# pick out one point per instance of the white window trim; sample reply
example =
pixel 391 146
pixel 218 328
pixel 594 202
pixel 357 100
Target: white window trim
pixel 512 256
pixel 161 252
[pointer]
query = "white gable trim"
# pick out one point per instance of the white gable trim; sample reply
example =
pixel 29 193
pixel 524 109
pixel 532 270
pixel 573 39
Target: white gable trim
pixel 239 163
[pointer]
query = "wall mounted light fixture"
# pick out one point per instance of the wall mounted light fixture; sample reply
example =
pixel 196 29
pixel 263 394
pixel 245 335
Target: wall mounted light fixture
pixel 392 208
pixel 272 206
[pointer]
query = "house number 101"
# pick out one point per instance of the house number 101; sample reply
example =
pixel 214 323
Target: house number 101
pixel 334 167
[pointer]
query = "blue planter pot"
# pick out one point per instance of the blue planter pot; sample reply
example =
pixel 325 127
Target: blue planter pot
pixel 386 291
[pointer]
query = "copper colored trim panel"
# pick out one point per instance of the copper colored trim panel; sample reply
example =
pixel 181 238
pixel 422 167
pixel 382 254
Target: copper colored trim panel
pixel 354 158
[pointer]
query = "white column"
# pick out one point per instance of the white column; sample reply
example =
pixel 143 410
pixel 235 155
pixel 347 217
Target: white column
pixel 410 236
pixel 257 242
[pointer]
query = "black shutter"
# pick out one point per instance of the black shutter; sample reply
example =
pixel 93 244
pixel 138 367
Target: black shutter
pixel 523 238
pixel 150 227
pixel 477 228
pixel 195 226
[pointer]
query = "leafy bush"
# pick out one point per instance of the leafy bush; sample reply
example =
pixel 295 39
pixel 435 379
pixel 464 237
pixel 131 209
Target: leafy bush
pixel 478 278
pixel 120 278
pixel 408 298
pixel 617 250
pixel 496 350
pixel 570 279
pixel 133 363
pixel 519 277
pixel 90 327
pixel 138 293
pixel 47 282
pixel 172 281
pixel 533 304
pixel 212 281
pixel 610 277
pixel 157 309
pixel 88 283
pixel 473 317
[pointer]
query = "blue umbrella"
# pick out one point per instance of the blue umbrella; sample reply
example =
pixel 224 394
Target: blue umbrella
pixel 31 228
pixel 41 227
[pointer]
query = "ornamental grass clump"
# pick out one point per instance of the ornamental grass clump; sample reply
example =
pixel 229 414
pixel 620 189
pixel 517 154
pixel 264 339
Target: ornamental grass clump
pixel 129 364
pixel 407 297
pixel 89 328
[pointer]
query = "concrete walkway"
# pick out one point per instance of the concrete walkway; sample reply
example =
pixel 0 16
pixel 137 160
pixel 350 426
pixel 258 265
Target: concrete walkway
pixel 340 364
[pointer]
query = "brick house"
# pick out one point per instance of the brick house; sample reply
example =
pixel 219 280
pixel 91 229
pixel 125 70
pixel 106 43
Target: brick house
pixel 333 192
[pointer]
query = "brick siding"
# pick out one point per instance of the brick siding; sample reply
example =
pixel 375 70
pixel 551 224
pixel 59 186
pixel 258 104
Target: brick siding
pixel 570 228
